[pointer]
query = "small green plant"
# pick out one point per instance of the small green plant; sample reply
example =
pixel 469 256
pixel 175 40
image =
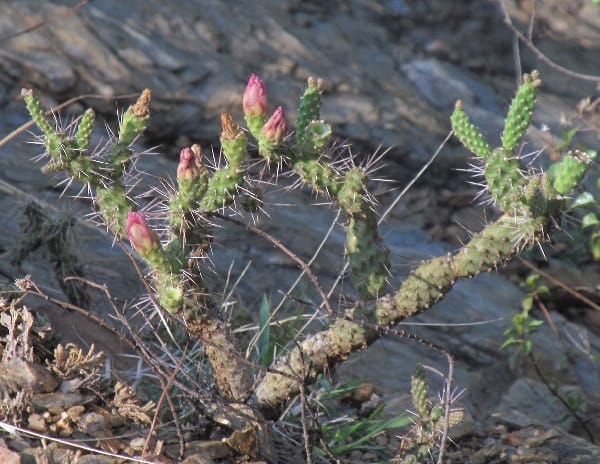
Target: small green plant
pixel 357 434
pixel 343 434
pixel 517 337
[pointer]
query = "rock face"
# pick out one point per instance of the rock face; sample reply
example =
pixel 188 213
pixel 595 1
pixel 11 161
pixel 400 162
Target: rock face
pixel 392 69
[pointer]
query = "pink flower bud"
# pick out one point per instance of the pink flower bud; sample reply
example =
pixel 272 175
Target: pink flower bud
pixel 254 100
pixel 274 129
pixel 142 238
pixel 188 168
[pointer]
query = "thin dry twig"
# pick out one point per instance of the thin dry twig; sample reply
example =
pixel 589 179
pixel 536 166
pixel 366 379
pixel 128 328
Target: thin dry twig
pixel 559 284
pixel 538 53
pixel 12 429
pixel 287 252
pixel 542 307
pixel 165 394
pixel 560 398
pixel 33 289
pixel 303 420
pixel 447 401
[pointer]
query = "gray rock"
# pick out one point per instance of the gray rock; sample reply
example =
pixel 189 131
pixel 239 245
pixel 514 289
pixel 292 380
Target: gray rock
pixel 528 402
pixel 443 83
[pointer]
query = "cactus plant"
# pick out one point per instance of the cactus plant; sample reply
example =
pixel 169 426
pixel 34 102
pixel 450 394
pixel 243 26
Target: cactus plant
pixel 528 200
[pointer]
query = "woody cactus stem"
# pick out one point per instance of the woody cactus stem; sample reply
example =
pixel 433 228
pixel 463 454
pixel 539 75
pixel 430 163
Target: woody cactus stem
pixel 529 205
pixel 425 286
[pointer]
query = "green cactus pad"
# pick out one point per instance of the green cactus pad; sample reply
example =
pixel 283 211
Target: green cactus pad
pixel 467 133
pixel 418 390
pixel 350 194
pixel 84 129
pixel 114 205
pixel 520 111
pixel 368 257
pixel 309 110
pixel 566 174
pixel 136 119
pixel 505 178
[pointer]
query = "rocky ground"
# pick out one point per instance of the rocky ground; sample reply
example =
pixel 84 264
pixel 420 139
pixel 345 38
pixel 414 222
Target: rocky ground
pixel 393 70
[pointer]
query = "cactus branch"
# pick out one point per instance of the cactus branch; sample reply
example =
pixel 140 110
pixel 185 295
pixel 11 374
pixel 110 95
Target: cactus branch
pixel 425 286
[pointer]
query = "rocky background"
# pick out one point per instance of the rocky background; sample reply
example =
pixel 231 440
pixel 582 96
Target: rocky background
pixel 392 71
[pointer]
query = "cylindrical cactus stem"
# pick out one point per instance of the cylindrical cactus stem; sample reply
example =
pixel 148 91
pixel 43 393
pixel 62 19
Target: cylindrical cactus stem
pixel 56 143
pixel 351 195
pixel 136 119
pixel 309 110
pixel 113 205
pixel 467 133
pixel 497 242
pixel 233 141
pixel 520 111
pixel 422 289
pixel 318 174
pixel 84 129
pixel 367 254
pixel 192 182
pixel 118 159
pixel 223 185
pixel 567 173
pixel 418 390
pixel 506 179
pixel 38 112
